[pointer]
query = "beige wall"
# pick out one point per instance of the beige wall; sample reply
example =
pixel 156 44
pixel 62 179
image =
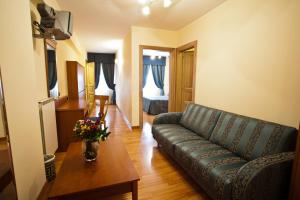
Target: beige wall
pixel 124 78
pixel 65 50
pixel 248 58
pixel 151 37
pixel 22 63
pixel 20 86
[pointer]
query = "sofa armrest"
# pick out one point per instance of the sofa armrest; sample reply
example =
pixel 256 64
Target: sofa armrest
pixel 167 118
pixel 266 177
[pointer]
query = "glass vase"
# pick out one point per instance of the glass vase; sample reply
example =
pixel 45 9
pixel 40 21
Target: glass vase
pixel 90 150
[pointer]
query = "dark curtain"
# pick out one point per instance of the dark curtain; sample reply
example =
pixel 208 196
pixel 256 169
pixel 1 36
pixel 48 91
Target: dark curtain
pixel 109 72
pixel 94 57
pixel 97 73
pixel 52 74
pixel 158 71
pixel 146 67
pixel 108 65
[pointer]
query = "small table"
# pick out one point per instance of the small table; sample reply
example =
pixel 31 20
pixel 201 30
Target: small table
pixel 112 173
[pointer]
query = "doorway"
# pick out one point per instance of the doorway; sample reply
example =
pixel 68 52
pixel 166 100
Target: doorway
pixel 156 94
pixel 181 71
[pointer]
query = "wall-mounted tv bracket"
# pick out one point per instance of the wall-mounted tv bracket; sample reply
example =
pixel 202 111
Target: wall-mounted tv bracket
pixel 44 33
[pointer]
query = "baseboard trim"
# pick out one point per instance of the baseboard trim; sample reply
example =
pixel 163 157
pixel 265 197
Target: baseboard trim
pixel 126 120
pixel 124 117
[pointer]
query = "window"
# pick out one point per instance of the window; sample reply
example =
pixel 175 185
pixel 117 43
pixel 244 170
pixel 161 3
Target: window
pixel 54 91
pixel 102 88
pixel 150 89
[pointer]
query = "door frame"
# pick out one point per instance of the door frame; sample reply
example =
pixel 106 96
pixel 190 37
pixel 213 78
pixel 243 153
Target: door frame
pixel 172 69
pixel 179 51
pixel 87 89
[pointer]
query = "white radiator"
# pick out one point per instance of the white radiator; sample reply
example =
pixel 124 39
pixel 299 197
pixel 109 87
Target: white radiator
pixel 48 125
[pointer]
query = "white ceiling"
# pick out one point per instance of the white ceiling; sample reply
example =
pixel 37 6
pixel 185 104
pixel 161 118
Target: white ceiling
pixel 102 24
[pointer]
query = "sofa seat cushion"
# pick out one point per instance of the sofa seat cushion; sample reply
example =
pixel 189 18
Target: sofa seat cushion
pixel 213 167
pixel 167 135
pixel 200 119
pixel 252 138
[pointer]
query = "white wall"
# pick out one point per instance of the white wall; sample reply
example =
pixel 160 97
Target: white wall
pixel 20 90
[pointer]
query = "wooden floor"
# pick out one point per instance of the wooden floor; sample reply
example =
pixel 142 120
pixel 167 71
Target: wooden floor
pixel 161 178
pixel 3 144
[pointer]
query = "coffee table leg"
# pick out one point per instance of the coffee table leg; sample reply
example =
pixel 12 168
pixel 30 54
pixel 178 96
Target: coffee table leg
pixel 134 190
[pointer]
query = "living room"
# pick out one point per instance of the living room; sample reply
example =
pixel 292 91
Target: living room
pixel 245 62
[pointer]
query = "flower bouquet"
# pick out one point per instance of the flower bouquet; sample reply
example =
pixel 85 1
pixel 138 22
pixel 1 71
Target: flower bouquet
pixel 90 132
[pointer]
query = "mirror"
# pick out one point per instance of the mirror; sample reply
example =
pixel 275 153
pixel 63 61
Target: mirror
pixel 51 69
pixel 7 181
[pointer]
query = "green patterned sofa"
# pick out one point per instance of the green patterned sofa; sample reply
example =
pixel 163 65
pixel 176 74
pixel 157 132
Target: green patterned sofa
pixel 230 156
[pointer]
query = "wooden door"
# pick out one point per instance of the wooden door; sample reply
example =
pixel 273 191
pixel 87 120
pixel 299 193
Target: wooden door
pixel 185 79
pixel 90 83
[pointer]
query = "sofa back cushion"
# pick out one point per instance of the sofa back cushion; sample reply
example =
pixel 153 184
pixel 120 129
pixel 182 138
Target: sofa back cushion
pixel 200 119
pixel 252 138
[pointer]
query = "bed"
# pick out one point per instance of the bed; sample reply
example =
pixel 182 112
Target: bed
pixel 155 105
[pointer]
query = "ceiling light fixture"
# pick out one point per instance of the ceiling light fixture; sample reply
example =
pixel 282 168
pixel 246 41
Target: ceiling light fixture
pixel 143 2
pixel 167 3
pixel 146 10
pixel 147 3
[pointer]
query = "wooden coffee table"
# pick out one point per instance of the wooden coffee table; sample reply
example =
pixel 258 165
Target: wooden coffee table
pixel 112 173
